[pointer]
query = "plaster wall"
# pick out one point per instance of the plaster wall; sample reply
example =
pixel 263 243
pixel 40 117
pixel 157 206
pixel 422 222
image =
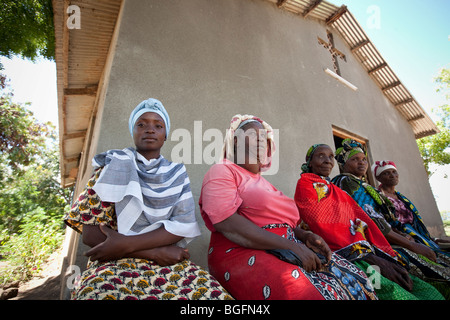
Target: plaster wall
pixel 207 60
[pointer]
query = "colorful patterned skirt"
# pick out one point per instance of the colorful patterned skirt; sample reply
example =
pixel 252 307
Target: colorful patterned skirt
pixel 250 274
pixel 137 279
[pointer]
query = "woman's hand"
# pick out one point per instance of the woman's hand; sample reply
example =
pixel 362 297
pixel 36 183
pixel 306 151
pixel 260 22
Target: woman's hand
pixel 112 248
pixel 307 252
pixel 438 240
pixel 168 255
pixel 108 244
pixel 310 260
pixel 314 242
pixel 397 239
pixel 115 247
pixel 424 250
pixel 391 271
pixel 245 233
pixel 317 244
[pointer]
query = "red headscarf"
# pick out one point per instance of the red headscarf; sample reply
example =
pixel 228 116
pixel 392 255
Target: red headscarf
pixel 379 166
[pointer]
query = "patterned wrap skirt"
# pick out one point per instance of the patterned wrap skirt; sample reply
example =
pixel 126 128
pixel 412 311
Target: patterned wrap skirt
pixel 137 279
pixel 249 274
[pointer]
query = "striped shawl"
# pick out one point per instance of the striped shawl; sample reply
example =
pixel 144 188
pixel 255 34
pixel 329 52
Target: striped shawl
pixel 147 194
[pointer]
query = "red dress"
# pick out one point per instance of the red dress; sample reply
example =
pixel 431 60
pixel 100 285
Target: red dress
pixel 331 213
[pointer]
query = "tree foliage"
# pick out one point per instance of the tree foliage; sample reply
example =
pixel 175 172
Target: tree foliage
pixel 21 137
pixel 26 29
pixel 435 149
pixel 29 166
pixel 36 188
pixel 32 201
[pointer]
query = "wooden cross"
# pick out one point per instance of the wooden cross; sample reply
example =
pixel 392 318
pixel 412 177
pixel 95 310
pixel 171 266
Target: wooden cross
pixel 333 51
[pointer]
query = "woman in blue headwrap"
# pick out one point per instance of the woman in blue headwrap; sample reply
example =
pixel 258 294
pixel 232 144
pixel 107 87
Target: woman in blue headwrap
pixel 137 214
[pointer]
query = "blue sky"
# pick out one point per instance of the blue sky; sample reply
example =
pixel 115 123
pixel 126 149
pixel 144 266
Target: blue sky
pixel 411 35
pixel 35 83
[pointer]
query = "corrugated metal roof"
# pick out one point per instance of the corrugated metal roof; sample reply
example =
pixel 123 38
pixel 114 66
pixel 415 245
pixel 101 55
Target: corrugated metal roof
pixel 80 59
pixel 81 56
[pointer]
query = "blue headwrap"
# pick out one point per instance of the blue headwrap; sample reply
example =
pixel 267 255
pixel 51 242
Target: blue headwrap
pixel 149 105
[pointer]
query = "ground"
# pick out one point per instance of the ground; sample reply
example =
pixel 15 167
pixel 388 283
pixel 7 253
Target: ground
pixel 46 285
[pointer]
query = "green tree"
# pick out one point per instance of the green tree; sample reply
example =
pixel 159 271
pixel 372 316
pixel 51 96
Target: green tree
pixel 26 29
pixel 32 201
pixel 29 165
pixel 435 149
pixel 21 136
pixel 37 187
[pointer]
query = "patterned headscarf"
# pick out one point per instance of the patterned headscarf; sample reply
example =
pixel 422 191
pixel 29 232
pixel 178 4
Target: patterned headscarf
pixel 149 105
pixel 305 167
pixel 349 148
pixel 237 122
pixel 379 166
